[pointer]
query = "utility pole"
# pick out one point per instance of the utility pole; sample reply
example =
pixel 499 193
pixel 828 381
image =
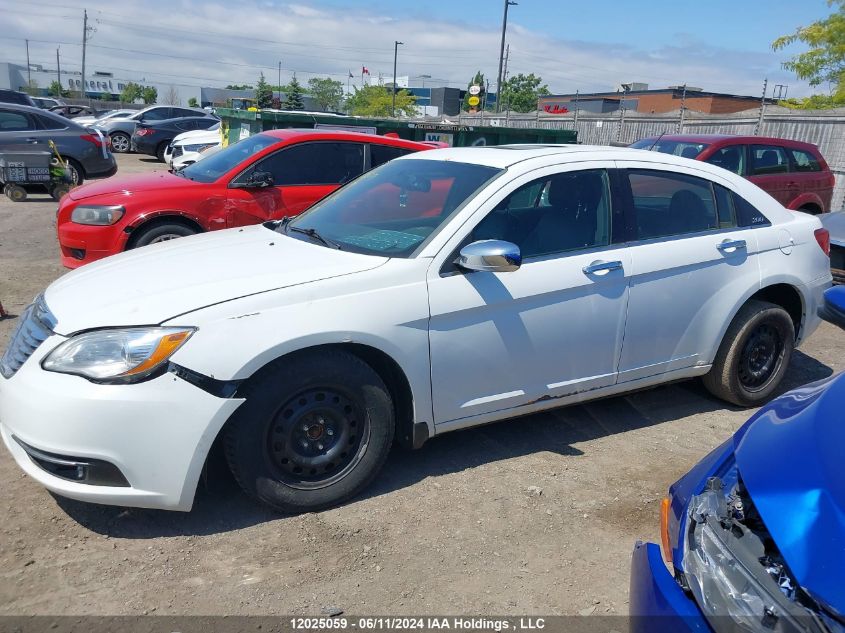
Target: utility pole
pixel 396 45
pixel 508 3
pixel 504 80
pixel 575 122
pixel 683 110
pixel 85 30
pixel 762 108
pixel 59 72
pixel 28 70
pixel 280 82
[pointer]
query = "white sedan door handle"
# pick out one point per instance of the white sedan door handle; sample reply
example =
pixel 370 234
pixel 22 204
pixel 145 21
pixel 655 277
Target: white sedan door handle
pixel 601 267
pixel 731 245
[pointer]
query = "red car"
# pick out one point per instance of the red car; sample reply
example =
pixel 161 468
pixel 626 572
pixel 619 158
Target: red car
pixel 263 177
pixel 792 172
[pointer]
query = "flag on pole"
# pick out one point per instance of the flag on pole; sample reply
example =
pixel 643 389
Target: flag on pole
pixel 351 75
pixel 364 70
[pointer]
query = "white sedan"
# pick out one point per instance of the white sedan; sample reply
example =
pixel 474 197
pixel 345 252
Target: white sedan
pixel 442 290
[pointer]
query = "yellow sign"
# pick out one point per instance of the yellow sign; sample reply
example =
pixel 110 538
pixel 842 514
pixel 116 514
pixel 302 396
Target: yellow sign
pixel 473 101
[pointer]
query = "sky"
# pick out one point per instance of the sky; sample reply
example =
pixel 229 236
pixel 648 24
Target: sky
pixel 588 46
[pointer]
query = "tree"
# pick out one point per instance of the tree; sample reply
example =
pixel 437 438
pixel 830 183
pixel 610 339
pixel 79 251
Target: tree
pixel 520 92
pixel 55 90
pixel 131 93
pixel 239 87
pixel 478 80
pixel 149 94
pixel 824 62
pixel 293 96
pixel 105 96
pixel 328 93
pixel 171 97
pixel 193 103
pixel 376 101
pixel 263 93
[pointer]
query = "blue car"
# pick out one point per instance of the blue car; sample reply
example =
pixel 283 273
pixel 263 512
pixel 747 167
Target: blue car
pixel 755 532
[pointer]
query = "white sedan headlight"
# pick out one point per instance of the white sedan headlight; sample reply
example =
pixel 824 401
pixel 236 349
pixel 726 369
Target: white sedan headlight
pixel 97 215
pixel 118 355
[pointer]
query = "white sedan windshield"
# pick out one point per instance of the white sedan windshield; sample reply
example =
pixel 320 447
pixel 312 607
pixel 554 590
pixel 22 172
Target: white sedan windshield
pixel 394 208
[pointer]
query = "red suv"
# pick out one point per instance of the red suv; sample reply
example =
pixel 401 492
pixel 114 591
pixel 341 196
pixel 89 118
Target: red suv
pixel 792 172
pixel 263 177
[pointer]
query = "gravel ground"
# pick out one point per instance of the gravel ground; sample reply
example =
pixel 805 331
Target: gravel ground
pixel 533 516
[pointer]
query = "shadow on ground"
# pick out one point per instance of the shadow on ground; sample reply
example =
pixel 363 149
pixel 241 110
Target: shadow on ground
pixel 220 506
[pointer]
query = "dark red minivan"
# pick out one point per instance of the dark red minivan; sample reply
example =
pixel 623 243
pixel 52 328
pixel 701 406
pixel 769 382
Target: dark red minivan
pixel 792 172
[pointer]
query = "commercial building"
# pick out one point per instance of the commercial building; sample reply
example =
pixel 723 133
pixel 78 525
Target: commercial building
pixel 97 82
pixel 638 97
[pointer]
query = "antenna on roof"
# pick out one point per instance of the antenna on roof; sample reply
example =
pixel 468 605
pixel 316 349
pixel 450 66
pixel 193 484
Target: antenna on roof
pixel 656 141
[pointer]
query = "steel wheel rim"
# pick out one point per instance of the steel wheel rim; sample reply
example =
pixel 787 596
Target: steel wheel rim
pixel 119 143
pixel 165 238
pixel 317 438
pixel 761 357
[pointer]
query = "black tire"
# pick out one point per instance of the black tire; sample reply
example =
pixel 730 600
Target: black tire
pixel 811 209
pixel 273 441
pixel 754 355
pixel 120 143
pixel 15 193
pixel 160 151
pixel 161 232
pixel 75 170
pixel 57 191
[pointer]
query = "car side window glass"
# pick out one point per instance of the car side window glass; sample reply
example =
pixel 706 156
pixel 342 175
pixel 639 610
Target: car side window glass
pixel 204 124
pixel 747 214
pixel 725 207
pixel 553 214
pixel 804 161
pixel 187 125
pixel 156 114
pixel 768 159
pixel 315 164
pixel 11 121
pixel 669 204
pixel 731 158
pixel 380 154
pixel 49 123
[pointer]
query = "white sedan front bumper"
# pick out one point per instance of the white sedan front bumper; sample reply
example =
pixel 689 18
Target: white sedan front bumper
pixel 156 433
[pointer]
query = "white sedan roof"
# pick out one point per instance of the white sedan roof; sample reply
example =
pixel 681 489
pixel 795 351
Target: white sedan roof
pixel 503 156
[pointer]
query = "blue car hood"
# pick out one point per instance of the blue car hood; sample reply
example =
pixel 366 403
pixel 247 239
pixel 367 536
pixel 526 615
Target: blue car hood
pixel 791 457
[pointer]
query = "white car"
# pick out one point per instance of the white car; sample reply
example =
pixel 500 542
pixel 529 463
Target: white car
pixel 442 290
pixel 112 114
pixel 188 147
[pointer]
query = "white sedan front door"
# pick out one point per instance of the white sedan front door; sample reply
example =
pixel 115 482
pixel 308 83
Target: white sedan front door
pixel 550 329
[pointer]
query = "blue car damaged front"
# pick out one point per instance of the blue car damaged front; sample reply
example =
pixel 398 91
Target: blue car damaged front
pixel 755 533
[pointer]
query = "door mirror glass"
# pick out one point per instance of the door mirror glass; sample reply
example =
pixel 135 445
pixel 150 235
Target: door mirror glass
pixel 833 309
pixel 495 256
pixel 259 179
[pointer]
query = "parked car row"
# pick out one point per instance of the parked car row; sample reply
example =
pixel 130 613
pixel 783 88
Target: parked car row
pixel 120 129
pixel 86 151
pixel 154 137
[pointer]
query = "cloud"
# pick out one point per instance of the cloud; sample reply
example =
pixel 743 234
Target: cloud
pixel 213 43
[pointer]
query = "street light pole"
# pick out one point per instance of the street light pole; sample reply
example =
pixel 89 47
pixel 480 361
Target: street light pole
pixel 280 83
pixel 395 54
pixel 502 55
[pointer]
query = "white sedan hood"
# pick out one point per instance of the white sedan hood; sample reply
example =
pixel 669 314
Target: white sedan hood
pixel 158 282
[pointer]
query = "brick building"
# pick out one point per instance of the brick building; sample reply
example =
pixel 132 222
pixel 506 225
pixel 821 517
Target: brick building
pixel 642 99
